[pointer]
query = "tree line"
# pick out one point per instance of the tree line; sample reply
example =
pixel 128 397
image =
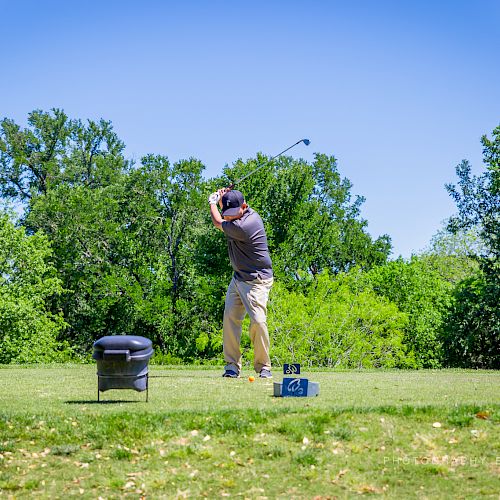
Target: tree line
pixel 105 246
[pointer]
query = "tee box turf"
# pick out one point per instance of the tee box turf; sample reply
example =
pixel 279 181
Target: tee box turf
pixel 293 386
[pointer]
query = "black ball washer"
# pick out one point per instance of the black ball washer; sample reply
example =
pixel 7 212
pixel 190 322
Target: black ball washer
pixel 122 363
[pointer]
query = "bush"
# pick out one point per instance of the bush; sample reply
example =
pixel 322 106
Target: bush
pixel 28 331
pixel 335 325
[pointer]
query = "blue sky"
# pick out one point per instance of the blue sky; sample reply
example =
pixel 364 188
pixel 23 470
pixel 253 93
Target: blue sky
pixel 400 92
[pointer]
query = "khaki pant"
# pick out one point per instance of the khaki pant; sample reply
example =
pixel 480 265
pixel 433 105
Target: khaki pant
pixel 247 297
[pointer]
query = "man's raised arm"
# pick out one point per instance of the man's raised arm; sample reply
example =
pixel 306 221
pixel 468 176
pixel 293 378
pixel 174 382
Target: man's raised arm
pixel 214 199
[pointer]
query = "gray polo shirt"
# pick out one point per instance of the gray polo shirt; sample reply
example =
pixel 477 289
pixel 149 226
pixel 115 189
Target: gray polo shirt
pixel 247 246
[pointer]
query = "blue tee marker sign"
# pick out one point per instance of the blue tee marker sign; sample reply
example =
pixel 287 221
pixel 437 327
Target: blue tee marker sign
pixel 291 369
pixel 294 387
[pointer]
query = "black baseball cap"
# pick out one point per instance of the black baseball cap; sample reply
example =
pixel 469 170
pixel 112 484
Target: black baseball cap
pixel 231 202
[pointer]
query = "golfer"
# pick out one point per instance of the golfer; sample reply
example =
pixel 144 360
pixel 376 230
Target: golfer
pixel 252 280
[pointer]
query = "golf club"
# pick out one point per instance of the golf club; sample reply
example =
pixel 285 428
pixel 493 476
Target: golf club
pixel 231 186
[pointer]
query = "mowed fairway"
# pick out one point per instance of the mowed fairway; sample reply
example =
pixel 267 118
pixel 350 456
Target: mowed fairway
pixel 397 434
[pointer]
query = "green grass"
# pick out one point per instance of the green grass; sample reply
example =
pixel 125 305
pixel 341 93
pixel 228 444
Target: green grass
pixel 368 433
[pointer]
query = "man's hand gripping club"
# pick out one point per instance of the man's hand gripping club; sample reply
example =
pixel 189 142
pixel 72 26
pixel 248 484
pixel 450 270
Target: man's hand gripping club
pixel 216 199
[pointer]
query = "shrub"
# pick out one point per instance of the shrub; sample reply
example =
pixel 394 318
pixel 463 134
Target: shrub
pixel 335 325
pixel 28 331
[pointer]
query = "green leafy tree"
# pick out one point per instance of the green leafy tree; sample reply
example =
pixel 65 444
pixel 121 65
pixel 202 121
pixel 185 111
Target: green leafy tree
pixel 419 290
pixel 67 176
pixel 55 150
pixel 453 255
pixel 312 222
pixel 123 238
pixel 473 334
pixel 472 330
pixel 31 159
pixel 478 203
pixel 461 243
pixel 84 227
pixel 28 330
pixel 165 210
pixel 125 253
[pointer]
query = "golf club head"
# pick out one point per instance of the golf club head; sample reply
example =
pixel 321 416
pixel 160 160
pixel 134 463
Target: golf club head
pixel 306 142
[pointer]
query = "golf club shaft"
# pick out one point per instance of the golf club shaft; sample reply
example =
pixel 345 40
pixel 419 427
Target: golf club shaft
pixel 231 186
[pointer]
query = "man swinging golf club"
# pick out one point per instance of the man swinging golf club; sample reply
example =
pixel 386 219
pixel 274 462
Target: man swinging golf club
pixel 252 280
